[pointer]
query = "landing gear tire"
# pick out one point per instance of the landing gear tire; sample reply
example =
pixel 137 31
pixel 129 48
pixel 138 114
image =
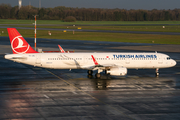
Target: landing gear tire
pixel 97 75
pixel 90 72
pixel 90 76
pixel 157 72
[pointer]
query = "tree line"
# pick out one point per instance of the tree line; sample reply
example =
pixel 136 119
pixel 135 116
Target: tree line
pixel 87 14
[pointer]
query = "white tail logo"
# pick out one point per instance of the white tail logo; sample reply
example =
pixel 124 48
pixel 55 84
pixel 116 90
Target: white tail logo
pixel 20 48
pixel 20 45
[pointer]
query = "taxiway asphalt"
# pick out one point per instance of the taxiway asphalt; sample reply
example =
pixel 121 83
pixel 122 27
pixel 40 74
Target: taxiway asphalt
pixel 27 92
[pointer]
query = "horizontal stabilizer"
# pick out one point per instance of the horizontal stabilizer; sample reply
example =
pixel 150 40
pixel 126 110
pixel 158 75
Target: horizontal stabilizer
pixel 18 58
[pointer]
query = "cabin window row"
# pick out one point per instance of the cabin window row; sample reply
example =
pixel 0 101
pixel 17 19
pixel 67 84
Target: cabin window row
pixel 64 59
pixel 102 58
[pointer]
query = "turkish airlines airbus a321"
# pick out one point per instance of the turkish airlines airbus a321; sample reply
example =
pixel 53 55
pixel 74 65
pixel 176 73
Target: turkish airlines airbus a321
pixel 113 63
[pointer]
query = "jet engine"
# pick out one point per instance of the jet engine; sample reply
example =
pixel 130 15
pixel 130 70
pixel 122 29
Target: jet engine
pixel 117 71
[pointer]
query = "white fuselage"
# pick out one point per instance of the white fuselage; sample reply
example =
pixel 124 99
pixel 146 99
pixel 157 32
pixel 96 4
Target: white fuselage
pixel 84 60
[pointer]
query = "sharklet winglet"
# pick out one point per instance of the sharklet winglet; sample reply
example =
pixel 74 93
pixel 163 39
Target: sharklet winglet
pixel 95 62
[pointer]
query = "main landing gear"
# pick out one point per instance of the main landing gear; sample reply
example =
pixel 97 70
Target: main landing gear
pixel 157 72
pixel 97 75
pixel 90 72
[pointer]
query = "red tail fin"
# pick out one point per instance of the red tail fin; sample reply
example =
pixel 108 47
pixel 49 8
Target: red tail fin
pixel 18 44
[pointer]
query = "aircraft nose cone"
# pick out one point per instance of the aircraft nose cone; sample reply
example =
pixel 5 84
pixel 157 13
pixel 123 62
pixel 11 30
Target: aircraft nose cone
pixel 173 63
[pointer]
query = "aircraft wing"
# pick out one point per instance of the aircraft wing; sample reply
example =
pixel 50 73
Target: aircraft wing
pixel 99 66
pixel 95 67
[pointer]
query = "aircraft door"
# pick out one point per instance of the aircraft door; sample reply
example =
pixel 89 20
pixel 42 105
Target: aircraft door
pixel 38 59
pixel 160 59
pixel 127 60
pixel 85 59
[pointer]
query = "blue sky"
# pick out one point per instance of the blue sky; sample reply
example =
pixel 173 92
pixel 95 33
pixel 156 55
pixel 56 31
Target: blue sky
pixel 121 4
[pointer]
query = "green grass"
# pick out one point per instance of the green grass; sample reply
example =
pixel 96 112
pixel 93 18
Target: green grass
pixel 59 22
pixel 97 36
pixel 169 28
pixel 135 28
pixel 100 25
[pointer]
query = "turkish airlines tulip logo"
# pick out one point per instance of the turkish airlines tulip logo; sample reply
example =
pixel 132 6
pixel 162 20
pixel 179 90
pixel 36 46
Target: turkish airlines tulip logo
pixel 18 46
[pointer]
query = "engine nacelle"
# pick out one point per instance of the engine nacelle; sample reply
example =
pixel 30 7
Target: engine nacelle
pixel 117 71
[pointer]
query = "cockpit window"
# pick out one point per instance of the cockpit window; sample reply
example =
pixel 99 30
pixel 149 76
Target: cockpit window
pixel 168 58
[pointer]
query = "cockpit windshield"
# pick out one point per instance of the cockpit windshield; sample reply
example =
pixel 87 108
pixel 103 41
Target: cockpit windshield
pixel 168 58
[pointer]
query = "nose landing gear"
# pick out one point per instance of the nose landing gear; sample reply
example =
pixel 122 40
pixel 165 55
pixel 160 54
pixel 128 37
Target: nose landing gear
pixel 157 72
